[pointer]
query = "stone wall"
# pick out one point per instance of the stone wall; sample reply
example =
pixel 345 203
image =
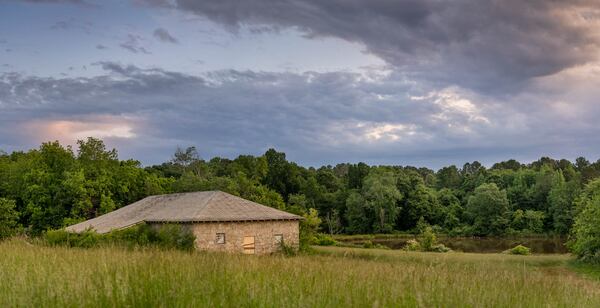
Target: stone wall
pixel 264 233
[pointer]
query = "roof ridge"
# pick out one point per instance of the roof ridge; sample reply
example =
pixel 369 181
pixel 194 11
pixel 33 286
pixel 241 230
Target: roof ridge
pixel 206 202
pixel 266 207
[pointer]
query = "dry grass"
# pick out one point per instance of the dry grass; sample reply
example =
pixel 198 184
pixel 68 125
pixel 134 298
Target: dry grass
pixel 342 277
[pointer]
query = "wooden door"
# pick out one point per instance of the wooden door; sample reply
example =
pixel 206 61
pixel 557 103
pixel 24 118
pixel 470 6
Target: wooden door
pixel 248 245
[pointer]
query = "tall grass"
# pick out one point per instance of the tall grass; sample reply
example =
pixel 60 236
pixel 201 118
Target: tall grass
pixel 35 275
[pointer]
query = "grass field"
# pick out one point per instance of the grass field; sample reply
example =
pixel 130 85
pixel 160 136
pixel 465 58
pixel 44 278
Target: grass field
pixel 33 275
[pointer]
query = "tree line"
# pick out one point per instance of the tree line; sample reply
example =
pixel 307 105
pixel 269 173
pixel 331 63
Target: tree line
pixel 55 186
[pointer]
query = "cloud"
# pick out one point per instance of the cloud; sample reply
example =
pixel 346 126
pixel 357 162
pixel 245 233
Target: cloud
pixel 489 46
pixel 73 24
pixel 56 1
pixel 164 36
pixel 101 47
pixel 69 130
pixel 133 43
pixel 317 118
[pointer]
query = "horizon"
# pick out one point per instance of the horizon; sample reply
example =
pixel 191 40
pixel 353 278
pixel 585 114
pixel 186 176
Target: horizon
pixel 487 165
pixel 411 83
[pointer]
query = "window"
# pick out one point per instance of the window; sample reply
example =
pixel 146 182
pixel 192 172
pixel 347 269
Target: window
pixel 278 239
pixel 220 238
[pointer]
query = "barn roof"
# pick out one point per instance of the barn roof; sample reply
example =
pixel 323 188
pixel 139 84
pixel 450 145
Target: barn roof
pixel 203 206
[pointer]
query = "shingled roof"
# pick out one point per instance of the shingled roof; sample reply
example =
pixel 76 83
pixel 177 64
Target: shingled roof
pixel 203 206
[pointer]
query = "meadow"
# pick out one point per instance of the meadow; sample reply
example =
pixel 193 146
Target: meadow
pixel 37 275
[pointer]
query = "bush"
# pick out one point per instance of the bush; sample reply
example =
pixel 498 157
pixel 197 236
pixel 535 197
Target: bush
pixel 519 250
pixel 84 239
pixel 324 240
pixel 412 245
pixel 288 250
pixel 173 236
pixel 370 244
pixel 57 237
pixel 439 248
pixel 428 242
pixel 308 229
pixel 169 236
pixel 428 239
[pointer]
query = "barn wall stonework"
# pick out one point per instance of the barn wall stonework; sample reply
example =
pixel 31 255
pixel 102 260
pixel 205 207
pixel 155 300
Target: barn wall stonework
pixel 264 233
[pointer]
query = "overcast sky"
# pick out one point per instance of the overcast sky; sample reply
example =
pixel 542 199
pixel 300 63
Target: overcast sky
pixel 404 82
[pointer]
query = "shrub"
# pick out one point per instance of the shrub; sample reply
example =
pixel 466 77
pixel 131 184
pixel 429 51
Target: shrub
pixel 412 245
pixel 288 250
pixel 84 239
pixel 439 248
pixel 428 242
pixel 428 239
pixel 308 228
pixel 370 244
pixel 57 237
pixel 519 250
pixel 324 240
pixel 173 236
pixel 169 236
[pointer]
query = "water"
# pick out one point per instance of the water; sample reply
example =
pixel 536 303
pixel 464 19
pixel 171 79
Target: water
pixel 483 245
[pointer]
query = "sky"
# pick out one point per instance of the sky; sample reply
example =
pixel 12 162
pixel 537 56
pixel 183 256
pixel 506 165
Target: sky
pixel 405 82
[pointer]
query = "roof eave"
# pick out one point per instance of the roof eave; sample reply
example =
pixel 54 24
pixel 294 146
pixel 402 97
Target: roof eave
pixel 219 220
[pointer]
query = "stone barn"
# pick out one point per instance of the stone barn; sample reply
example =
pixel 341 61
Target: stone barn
pixel 220 221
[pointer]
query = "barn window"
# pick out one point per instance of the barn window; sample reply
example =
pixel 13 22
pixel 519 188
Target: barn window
pixel 278 239
pixel 220 238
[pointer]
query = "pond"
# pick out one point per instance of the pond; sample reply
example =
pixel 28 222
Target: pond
pixel 480 245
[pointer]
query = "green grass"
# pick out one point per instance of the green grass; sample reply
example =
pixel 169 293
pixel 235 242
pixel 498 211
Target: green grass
pixel 588 270
pixel 35 275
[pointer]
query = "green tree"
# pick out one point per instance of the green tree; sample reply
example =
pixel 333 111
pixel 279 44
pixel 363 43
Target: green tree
pixel 281 175
pixel 356 175
pixel 487 209
pixel 528 221
pixel 448 177
pixel 185 158
pixel 309 228
pixel 8 218
pixel 382 196
pixel 452 209
pixel 560 204
pixel 357 214
pixel 585 242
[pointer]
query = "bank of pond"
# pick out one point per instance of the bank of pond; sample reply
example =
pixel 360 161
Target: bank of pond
pixel 538 245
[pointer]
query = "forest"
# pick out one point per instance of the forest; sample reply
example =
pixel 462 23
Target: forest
pixel 55 186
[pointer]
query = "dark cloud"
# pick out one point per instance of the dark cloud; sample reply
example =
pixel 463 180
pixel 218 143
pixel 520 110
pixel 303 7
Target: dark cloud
pixel 101 47
pixel 133 43
pixel 73 24
pixel 164 36
pixel 316 117
pixel 55 1
pixel 490 46
pixel 62 25
pixel 81 3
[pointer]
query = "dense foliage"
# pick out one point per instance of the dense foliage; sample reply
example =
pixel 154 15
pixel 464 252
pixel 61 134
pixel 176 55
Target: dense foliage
pixel 54 186
pixel 8 218
pixel 586 230
pixel 168 236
